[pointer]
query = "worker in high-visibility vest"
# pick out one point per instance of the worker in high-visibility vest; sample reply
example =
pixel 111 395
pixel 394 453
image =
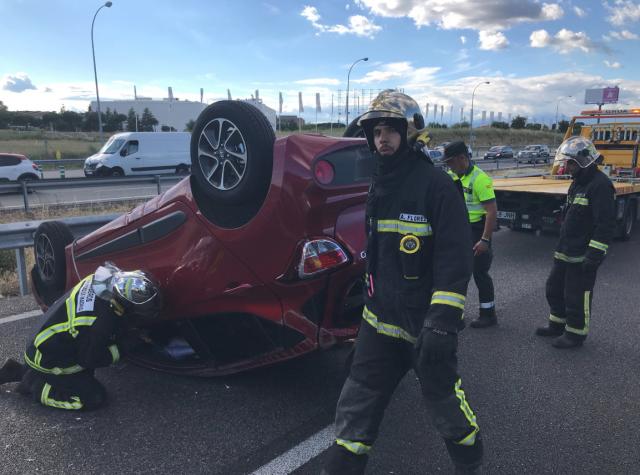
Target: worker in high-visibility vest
pixel 480 199
pixel 83 330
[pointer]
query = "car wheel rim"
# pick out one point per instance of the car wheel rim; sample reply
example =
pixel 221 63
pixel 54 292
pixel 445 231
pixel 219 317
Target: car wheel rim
pixel 44 257
pixel 222 154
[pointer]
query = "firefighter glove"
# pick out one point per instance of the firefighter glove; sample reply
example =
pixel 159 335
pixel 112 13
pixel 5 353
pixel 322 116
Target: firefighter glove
pixel 434 346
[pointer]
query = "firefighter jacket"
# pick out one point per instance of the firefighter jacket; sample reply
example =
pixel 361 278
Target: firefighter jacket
pixel 418 256
pixel 589 218
pixel 79 334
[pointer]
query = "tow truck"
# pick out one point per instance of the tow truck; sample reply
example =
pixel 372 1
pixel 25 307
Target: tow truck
pixel 535 202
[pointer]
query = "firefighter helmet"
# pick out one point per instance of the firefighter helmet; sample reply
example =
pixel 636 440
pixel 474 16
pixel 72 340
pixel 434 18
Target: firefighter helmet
pixel 579 149
pixel 134 292
pixel 395 106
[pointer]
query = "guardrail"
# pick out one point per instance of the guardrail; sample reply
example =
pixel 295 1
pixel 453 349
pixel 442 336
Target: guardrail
pixel 20 235
pixel 25 186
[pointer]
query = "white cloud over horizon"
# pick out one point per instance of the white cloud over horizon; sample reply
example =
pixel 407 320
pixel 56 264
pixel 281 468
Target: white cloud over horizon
pixel 492 40
pixel 564 41
pixel 358 25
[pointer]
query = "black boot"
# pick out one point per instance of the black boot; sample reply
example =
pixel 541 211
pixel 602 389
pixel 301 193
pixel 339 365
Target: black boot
pixel 566 341
pixel 467 459
pixel 553 329
pixel 486 319
pixel 342 462
pixel 12 372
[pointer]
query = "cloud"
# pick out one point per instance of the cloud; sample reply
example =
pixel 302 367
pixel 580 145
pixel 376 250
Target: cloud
pixel 463 39
pixel 564 41
pixel 357 24
pixel 579 12
pixel 400 71
pixel 319 82
pixel 492 41
pixel 623 11
pixel 612 65
pixel 18 82
pixel 624 35
pixel 488 15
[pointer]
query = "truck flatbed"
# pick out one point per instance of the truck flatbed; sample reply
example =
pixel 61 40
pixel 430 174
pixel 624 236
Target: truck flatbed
pixel 555 186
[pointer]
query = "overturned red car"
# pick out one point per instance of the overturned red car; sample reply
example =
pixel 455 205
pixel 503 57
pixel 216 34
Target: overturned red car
pixel 259 253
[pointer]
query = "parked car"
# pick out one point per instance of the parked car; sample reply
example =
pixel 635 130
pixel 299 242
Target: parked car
pixel 141 153
pixel 499 152
pixel 534 154
pixel 259 253
pixel 16 167
pixel 436 154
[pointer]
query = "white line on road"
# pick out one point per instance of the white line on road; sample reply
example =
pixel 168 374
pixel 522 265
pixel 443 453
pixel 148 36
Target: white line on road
pixel 21 316
pixel 300 454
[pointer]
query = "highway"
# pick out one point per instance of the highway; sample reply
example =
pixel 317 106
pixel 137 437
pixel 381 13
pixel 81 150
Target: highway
pixel 541 410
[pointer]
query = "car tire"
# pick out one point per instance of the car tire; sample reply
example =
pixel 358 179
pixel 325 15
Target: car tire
pixel 625 226
pixel 28 177
pixel 49 243
pixel 353 129
pixel 117 172
pixel 232 153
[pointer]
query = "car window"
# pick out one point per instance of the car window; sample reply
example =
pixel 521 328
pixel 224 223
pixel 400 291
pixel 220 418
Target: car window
pixel 112 146
pixel 9 160
pixel 495 149
pixel 131 147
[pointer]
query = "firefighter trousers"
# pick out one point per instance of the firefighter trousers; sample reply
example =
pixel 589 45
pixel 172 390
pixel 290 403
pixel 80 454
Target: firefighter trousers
pixel 481 266
pixel 79 391
pixel 570 293
pixel 379 364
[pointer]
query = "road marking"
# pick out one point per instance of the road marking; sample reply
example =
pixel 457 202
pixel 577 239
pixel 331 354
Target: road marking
pixel 300 454
pixel 21 316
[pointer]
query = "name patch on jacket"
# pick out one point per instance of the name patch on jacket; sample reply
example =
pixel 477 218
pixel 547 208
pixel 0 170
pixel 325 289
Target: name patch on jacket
pixel 413 218
pixel 85 298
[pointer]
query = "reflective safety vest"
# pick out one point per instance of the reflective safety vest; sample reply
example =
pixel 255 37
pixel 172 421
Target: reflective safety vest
pixel 477 187
pixel 54 349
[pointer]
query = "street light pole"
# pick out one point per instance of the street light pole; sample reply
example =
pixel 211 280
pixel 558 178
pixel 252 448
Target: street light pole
pixel 349 74
pixel 471 121
pixel 95 73
pixel 558 104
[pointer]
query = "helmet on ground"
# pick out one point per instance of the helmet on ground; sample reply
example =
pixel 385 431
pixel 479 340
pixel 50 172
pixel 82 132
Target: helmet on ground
pixel 577 148
pixel 393 108
pixel 134 292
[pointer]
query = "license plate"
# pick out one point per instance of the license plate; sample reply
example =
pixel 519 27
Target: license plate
pixel 526 226
pixel 507 215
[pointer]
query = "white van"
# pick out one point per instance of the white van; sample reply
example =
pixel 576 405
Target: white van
pixel 141 153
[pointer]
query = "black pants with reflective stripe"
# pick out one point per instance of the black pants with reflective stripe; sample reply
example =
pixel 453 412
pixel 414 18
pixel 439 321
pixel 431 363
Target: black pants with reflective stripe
pixel 80 391
pixel 569 293
pixel 481 266
pixel 379 364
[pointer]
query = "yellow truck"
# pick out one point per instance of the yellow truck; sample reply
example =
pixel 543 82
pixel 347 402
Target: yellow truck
pixel 535 202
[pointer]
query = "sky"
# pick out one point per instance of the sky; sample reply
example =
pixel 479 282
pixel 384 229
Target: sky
pixel 535 54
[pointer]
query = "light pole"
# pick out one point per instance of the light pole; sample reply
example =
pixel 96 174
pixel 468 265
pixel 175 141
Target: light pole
pixel 557 104
pixel 349 74
pixel 471 121
pixel 95 73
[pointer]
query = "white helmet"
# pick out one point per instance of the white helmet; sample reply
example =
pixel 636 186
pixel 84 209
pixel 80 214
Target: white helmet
pixel 577 148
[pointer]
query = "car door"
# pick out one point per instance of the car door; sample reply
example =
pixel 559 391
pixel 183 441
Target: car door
pixel 9 167
pixel 133 162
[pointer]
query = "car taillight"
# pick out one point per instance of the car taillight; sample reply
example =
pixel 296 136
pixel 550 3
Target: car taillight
pixel 323 172
pixel 320 255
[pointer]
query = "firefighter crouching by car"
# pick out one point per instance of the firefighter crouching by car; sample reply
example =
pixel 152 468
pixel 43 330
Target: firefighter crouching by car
pixel 418 269
pixel 587 229
pixel 483 212
pixel 84 330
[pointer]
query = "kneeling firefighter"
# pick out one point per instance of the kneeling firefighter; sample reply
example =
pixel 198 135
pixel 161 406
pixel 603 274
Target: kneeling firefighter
pixel 84 330
pixel 418 267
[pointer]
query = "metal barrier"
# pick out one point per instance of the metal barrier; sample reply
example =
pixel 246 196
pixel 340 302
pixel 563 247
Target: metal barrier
pixel 25 186
pixel 20 235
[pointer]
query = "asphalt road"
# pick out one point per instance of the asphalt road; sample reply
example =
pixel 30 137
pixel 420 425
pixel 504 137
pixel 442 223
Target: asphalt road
pixel 541 410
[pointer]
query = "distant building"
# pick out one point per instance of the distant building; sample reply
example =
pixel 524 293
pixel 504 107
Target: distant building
pixel 172 112
pixel 290 121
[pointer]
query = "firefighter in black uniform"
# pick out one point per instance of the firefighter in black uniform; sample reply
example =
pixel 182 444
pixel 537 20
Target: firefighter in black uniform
pixel 418 268
pixel 84 330
pixel 587 229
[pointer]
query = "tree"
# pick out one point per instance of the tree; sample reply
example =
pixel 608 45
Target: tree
pixel 563 125
pixel 461 125
pixel 535 126
pixel 189 126
pixel 131 120
pixel 499 125
pixel 4 116
pixel 148 121
pixel 518 122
